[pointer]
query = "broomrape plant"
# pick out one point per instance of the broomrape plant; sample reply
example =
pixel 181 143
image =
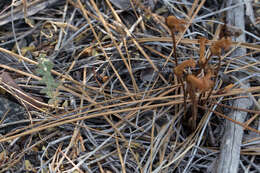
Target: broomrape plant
pixel 201 82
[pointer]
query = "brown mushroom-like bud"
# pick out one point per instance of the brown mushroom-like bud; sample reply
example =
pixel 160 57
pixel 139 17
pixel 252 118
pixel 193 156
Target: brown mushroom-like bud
pixel 175 24
pixel 224 43
pixel 202 84
pixel 179 69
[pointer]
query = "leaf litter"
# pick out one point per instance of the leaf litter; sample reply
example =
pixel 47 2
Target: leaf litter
pixel 121 94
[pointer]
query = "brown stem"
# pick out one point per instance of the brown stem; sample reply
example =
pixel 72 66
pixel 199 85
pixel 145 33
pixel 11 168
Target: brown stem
pixel 215 80
pixel 203 66
pixel 174 47
pixel 207 60
pixel 184 95
pixel 194 107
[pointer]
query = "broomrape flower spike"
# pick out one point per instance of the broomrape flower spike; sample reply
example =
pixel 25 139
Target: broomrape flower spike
pixel 202 61
pixel 175 25
pixel 202 84
pixel 179 71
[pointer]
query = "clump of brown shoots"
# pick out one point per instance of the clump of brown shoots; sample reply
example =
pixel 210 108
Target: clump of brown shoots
pixel 200 82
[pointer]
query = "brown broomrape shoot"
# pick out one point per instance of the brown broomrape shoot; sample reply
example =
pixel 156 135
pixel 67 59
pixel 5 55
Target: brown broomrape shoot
pixel 175 25
pixel 202 61
pixel 216 49
pixel 202 84
pixel 179 70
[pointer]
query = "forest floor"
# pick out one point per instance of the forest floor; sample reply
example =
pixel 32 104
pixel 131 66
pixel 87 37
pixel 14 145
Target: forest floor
pixel 129 86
